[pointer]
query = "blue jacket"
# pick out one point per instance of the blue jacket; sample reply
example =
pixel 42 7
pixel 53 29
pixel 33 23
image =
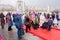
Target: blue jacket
pixel 17 20
pixel 50 22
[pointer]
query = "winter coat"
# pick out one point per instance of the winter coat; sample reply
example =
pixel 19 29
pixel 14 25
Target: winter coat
pixel 50 22
pixel 32 17
pixel 38 15
pixel 35 20
pixel 2 18
pixel 17 20
pixel 23 19
pixel 42 20
pixel 9 19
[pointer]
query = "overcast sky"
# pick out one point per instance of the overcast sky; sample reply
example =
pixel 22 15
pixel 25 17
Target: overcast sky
pixel 55 4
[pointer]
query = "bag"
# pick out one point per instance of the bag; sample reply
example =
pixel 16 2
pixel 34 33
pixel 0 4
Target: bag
pixel 27 23
pixel 45 25
pixel 35 26
pixel 22 31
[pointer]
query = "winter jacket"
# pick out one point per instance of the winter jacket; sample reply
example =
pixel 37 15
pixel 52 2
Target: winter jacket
pixel 17 20
pixel 50 22
pixel 2 18
pixel 9 19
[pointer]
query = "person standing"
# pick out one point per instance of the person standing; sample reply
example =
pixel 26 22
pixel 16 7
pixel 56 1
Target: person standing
pixel 55 22
pixel 50 23
pixel 42 19
pixel 57 16
pixel 27 22
pixel 36 23
pixel 18 23
pixel 2 20
pixel 9 21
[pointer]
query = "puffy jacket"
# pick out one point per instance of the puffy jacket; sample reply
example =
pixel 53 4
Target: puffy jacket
pixel 18 21
pixel 50 22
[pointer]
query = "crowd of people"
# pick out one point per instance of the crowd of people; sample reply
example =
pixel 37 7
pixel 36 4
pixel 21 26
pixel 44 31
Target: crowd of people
pixel 36 20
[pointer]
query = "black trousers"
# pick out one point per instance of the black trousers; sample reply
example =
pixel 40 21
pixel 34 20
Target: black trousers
pixel 9 28
pixel 49 28
pixel 27 28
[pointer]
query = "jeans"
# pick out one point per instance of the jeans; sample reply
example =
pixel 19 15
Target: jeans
pixel 19 33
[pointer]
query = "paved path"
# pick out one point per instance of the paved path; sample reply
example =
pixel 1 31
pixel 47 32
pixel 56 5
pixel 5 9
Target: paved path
pixel 12 35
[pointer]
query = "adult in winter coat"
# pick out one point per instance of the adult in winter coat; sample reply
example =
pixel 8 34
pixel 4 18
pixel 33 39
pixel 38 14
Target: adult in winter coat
pixel 50 23
pixel 9 21
pixel 18 23
pixel 2 20
pixel 28 25
pixel 55 21
pixel 36 23
pixel 42 19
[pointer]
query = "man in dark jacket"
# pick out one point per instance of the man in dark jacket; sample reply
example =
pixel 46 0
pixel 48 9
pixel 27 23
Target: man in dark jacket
pixel 50 23
pixel 28 24
pixel 2 20
pixel 18 23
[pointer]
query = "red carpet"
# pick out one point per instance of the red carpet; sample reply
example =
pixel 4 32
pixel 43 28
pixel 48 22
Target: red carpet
pixel 54 34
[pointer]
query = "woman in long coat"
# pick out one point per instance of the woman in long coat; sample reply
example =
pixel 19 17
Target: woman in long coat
pixel 9 21
pixel 42 19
